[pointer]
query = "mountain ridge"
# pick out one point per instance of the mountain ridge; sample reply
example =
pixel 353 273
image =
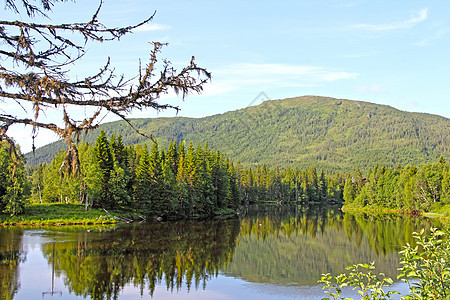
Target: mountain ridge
pixel 334 134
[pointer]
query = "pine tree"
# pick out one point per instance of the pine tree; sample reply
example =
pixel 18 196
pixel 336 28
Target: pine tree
pixel 118 150
pixel 183 187
pixel 349 190
pixel 120 175
pixel 323 188
pixel 142 189
pixel 234 193
pixel 170 190
pixel 158 205
pixel 306 188
pixel 106 167
pixel 202 184
pixel 220 179
pixel 172 157
pixel 314 185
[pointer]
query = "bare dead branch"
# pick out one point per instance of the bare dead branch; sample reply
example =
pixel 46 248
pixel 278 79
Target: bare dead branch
pixel 44 53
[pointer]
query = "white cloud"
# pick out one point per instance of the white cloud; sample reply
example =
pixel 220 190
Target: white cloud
pixel 152 27
pixel 415 18
pixel 437 35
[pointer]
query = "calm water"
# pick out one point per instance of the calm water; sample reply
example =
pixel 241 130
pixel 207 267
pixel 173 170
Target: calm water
pixel 271 253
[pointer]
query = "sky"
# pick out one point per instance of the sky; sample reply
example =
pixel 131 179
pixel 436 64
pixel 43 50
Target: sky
pixel 381 51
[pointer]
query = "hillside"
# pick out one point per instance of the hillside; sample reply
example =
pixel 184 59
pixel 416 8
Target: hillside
pixel 334 134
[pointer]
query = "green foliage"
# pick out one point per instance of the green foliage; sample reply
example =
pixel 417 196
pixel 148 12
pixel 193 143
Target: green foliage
pixel 331 134
pixel 105 162
pixel 142 185
pixel 12 180
pixel 349 190
pixel 99 265
pixel 289 244
pixel 58 214
pixel 193 182
pixel 12 254
pixel 362 278
pixel 408 188
pixel 178 183
pixel 282 245
pixel 426 269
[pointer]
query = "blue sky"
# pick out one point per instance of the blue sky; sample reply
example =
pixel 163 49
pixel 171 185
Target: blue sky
pixel 387 52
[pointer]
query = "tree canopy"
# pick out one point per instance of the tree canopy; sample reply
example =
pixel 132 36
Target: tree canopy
pixel 35 60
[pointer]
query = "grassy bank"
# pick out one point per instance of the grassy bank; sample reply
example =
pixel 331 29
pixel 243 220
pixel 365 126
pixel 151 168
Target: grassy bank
pixel 60 214
pixel 75 214
pixel 442 212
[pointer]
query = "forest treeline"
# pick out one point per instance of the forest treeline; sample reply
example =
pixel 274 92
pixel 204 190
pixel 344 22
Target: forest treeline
pixel 181 181
pixel 408 188
pixel 187 181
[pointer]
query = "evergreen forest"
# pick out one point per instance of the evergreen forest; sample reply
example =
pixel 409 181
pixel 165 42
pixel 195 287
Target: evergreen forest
pixel 182 181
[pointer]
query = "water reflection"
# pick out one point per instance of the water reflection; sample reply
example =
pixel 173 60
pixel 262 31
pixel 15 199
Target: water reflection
pixel 268 245
pixel 100 264
pixel 11 255
pixel 296 247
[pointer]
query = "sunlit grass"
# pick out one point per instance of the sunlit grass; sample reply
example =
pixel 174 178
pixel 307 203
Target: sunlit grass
pixel 58 214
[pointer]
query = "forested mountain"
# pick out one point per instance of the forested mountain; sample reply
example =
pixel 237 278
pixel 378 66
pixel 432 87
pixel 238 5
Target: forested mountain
pixel 328 133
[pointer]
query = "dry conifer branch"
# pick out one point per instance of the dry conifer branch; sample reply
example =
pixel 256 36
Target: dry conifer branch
pixel 34 64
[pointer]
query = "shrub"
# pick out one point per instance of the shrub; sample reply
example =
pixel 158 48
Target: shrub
pixel 425 268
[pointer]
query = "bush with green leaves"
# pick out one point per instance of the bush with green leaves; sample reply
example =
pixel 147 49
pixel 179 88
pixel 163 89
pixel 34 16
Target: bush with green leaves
pixel 361 277
pixel 425 268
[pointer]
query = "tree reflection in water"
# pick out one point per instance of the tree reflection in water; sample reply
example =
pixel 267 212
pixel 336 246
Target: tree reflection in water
pixel 285 246
pixel 294 247
pixel 100 264
pixel 11 255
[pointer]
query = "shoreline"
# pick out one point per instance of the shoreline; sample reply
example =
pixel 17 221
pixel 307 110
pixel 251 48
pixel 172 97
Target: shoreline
pixel 69 214
pixel 412 213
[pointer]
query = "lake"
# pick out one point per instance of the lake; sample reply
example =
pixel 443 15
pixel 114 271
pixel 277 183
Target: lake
pixel 269 252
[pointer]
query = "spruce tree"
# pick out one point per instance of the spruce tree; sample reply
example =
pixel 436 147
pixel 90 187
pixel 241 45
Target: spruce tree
pixel 106 166
pixel 323 188
pixel 349 190
pixel 170 190
pixel 183 187
pixel 172 157
pixel 118 150
pixel 234 193
pixel 203 184
pixel 142 189
pixel 158 205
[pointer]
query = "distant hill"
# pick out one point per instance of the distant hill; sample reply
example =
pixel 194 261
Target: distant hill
pixel 334 134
